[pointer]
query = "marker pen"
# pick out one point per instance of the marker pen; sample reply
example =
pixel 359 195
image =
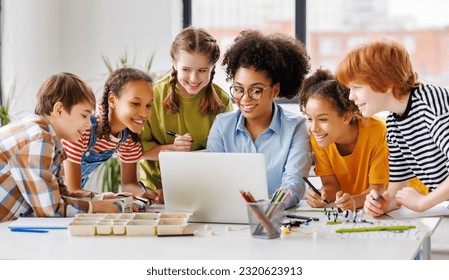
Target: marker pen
pixel 174 134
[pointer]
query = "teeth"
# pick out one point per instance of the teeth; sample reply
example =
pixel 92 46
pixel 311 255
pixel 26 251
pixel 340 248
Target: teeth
pixel 139 121
pixel 248 106
pixel 319 136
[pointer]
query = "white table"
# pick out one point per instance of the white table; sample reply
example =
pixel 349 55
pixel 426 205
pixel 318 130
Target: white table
pixel 231 245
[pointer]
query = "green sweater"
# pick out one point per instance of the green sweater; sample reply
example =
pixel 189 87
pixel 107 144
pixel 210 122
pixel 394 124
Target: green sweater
pixel 188 119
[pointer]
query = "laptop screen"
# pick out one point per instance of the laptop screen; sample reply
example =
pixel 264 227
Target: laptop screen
pixel 208 184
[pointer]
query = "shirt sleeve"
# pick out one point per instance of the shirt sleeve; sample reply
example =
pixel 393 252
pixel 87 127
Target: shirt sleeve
pixel 32 172
pixel 399 169
pixel 147 139
pixel 379 172
pixel 298 164
pixel 75 149
pixel 229 106
pixel 130 151
pixel 215 140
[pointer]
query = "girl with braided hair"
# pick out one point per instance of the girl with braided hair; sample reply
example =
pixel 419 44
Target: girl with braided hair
pixel 185 102
pixel 263 67
pixel 351 151
pixel 116 125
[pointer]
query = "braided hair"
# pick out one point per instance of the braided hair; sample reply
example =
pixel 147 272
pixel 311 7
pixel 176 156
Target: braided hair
pixel 195 40
pixel 114 84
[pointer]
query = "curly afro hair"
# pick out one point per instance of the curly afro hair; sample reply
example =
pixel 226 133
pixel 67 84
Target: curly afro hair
pixel 323 84
pixel 283 58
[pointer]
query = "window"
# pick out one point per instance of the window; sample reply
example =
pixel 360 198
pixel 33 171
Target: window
pixel 225 19
pixel 334 27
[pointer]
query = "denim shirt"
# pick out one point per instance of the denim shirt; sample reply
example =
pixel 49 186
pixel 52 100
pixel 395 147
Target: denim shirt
pixel 285 145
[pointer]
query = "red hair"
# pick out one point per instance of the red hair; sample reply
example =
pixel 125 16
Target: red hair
pixel 381 65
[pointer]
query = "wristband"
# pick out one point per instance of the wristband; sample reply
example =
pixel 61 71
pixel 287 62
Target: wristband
pixel 89 211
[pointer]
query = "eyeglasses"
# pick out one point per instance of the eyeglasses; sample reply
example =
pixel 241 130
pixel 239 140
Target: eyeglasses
pixel 255 93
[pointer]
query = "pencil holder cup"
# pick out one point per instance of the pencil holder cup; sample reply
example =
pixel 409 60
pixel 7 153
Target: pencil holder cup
pixel 265 219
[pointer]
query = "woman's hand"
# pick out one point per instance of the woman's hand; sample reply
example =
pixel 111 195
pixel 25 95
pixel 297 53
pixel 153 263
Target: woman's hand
pixel 183 143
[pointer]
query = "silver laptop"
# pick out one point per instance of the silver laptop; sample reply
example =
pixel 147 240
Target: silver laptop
pixel 208 184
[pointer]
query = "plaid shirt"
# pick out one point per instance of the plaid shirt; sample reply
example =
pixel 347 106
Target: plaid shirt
pixel 30 160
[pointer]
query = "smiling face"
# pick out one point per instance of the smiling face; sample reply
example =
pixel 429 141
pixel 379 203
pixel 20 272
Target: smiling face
pixel 324 122
pixel 132 108
pixel 368 101
pixel 193 72
pixel 78 118
pixel 255 109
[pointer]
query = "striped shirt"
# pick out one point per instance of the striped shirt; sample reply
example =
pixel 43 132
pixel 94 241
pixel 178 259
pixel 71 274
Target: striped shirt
pixel 128 152
pixel 418 141
pixel 30 158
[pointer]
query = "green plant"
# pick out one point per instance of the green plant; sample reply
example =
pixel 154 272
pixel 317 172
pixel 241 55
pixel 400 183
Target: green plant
pixel 5 107
pixel 111 175
pixel 111 178
pixel 4 115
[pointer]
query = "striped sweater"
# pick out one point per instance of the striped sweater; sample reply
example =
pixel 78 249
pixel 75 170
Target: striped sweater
pixel 418 141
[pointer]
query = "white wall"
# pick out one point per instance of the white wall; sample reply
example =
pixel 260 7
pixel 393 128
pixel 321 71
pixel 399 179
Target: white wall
pixel 44 37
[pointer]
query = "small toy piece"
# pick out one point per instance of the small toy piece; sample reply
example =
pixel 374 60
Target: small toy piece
pixel 347 215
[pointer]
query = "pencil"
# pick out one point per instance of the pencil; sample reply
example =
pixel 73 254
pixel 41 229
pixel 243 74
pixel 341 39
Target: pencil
pixel 293 216
pixel 261 216
pixel 142 186
pixel 314 189
pixel 171 133
pixel 378 228
pixel 29 230
pixel 174 134
pixel 175 235
pixel 264 222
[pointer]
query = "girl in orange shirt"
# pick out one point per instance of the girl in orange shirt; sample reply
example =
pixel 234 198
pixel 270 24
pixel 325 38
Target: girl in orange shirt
pixel 351 152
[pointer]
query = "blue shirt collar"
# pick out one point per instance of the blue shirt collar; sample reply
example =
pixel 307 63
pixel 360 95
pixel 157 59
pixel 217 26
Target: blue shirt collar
pixel 275 125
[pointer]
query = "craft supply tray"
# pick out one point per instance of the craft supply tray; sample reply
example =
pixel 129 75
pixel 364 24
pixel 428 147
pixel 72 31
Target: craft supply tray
pixel 129 224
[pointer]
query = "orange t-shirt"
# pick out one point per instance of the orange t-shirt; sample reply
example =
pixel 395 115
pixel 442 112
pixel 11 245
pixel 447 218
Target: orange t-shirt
pixel 368 163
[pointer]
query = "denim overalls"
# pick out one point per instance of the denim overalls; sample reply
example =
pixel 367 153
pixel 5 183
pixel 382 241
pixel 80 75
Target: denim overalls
pixel 92 159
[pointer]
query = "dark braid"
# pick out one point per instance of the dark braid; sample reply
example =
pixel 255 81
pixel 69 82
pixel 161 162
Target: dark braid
pixel 104 129
pixel 114 84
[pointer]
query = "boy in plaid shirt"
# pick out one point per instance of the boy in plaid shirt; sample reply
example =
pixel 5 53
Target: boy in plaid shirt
pixel 31 154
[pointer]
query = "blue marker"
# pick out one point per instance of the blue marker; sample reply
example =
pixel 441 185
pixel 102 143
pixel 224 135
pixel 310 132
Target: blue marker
pixel 378 197
pixel 29 230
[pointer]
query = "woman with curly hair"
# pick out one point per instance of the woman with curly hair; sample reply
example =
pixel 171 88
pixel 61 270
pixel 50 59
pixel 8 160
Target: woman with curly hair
pixel 351 151
pixel 263 67
pixel 185 103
